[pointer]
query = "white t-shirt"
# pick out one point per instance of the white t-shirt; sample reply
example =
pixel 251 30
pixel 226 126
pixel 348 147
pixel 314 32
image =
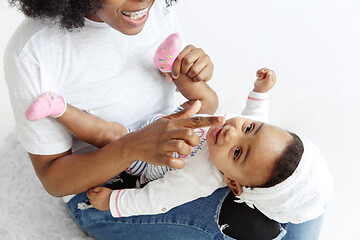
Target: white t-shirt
pixel 97 69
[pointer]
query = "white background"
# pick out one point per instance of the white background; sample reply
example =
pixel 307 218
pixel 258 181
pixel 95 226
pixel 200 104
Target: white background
pixel 314 47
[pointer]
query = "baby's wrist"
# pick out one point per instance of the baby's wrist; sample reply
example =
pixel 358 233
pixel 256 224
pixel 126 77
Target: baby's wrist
pixel 258 90
pixel 258 96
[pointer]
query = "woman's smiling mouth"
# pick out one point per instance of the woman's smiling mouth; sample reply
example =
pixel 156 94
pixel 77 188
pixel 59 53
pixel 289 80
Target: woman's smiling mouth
pixel 136 15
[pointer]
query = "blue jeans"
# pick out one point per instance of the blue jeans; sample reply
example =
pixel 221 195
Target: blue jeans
pixel 194 220
pixel 309 230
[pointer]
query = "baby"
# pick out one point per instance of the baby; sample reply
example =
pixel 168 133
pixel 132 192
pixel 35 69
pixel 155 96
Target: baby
pixel 281 174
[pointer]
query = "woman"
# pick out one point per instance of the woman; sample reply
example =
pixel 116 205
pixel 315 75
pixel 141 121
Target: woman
pixel 101 61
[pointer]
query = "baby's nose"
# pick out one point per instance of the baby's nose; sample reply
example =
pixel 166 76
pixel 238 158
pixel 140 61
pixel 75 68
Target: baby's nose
pixel 231 135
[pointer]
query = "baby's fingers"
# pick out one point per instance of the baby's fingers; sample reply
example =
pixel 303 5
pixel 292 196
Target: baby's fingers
pixel 93 193
pixel 270 76
pixel 261 73
pixel 177 66
pixel 201 70
pixel 95 190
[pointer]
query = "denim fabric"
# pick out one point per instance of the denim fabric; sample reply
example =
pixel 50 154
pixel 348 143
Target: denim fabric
pixel 194 220
pixel 309 230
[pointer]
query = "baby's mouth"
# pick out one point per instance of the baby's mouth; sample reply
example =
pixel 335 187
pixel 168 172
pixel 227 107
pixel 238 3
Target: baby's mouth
pixel 135 15
pixel 216 133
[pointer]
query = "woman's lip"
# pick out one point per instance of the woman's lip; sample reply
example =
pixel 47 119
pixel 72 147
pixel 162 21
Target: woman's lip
pixel 131 16
pixel 136 22
pixel 127 12
pixel 138 10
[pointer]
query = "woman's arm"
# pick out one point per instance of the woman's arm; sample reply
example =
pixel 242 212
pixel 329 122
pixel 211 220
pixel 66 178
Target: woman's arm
pixel 65 173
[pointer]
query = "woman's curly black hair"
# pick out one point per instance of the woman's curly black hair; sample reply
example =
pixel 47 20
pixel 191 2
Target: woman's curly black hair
pixel 70 13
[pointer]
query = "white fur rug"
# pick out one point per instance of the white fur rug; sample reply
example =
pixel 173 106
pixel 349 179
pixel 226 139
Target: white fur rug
pixel 27 211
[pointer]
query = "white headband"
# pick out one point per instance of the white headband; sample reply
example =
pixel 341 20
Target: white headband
pixel 300 197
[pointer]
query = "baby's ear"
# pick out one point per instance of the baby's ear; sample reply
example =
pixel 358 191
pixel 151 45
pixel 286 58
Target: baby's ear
pixel 234 185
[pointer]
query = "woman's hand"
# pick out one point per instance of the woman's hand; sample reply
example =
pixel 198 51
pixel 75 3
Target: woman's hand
pixel 194 63
pixel 100 198
pixel 156 143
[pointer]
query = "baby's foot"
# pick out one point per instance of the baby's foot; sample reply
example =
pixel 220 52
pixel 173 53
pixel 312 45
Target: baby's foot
pixel 167 52
pixel 47 104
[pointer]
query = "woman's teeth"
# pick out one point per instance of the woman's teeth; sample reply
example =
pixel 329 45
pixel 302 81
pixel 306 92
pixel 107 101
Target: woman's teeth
pixel 136 15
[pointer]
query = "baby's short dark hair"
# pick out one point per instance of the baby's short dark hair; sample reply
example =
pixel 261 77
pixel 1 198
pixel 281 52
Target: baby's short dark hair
pixel 287 163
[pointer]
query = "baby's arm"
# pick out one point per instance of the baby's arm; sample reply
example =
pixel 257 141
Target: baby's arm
pixel 257 105
pixel 175 188
pixel 84 126
pixel 192 68
pixel 197 91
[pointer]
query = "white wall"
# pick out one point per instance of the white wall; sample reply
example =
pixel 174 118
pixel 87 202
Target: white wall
pixel 314 47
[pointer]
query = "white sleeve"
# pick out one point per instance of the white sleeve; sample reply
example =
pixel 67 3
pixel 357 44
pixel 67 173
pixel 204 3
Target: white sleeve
pixel 257 106
pixel 26 80
pixel 175 188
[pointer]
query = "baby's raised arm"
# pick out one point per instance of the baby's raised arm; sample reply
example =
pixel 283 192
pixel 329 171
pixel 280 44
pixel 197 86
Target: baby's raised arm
pixel 257 105
pixel 190 69
pixel 197 91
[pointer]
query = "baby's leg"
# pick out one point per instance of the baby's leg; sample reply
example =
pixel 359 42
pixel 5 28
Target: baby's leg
pixel 90 128
pixel 153 172
pixel 84 126
pixel 137 168
pixel 47 104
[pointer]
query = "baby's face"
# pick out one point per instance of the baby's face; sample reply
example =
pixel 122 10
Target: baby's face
pixel 245 150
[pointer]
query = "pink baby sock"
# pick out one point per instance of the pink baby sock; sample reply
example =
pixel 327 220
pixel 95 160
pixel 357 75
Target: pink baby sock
pixel 167 52
pixel 47 104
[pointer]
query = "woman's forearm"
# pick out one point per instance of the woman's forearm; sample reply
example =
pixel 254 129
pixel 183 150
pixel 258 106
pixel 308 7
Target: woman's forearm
pixel 66 173
pixel 74 173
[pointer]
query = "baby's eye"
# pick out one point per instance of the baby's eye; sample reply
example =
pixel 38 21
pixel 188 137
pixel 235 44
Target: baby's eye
pixel 249 128
pixel 237 152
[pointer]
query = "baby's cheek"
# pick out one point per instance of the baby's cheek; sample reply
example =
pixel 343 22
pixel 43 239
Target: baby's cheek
pixel 212 156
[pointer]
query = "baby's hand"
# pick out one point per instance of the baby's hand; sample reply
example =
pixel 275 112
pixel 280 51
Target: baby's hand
pixel 100 198
pixel 266 79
